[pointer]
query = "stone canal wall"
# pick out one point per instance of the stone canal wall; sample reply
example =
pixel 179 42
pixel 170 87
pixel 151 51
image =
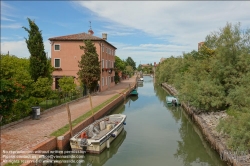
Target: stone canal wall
pixel 208 132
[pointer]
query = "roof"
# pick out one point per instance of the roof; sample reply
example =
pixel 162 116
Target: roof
pixel 145 65
pixel 79 37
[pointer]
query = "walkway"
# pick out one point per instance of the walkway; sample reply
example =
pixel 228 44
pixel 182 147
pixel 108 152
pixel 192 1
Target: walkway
pixel 29 133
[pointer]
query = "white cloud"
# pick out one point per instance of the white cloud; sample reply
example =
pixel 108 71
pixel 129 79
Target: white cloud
pixel 19 48
pixel 3 18
pixel 12 26
pixel 149 53
pixel 6 12
pixel 15 48
pixel 181 23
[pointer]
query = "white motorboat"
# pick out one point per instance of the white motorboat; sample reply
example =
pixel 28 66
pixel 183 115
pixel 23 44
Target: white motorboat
pixel 172 100
pixel 98 135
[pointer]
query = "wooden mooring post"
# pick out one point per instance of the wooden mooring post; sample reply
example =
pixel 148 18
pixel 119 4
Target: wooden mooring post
pixel 69 118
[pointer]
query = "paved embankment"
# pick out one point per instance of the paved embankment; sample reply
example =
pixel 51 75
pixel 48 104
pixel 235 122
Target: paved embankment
pixel 206 123
pixel 26 135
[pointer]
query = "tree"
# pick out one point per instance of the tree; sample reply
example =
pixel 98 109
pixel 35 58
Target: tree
pixel 39 64
pixel 89 67
pixel 216 78
pixel 67 84
pixel 130 62
pixel 119 64
pixel 15 85
pixel 119 67
pixel 129 70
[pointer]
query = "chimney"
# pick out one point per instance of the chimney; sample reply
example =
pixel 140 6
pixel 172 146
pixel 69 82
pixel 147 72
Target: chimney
pixel 90 32
pixel 104 36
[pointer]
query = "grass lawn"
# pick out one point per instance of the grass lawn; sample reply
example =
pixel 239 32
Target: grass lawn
pixel 64 129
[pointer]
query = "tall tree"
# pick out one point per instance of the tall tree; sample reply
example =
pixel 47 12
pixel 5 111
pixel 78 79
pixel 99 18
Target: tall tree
pixel 89 67
pixel 39 64
pixel 120 66
pixel 130 62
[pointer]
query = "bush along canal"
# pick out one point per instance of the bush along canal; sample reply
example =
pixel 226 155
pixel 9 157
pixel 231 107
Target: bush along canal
pixel 207 123
pixel 155 134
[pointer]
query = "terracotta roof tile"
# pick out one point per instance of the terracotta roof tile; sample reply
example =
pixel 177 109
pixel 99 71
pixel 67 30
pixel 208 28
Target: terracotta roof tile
pixel 78 37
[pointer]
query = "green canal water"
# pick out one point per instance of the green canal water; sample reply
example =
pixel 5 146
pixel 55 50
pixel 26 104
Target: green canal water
pixel 155 135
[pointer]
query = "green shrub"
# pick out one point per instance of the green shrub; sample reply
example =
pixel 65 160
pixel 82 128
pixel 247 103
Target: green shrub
pixel 237 127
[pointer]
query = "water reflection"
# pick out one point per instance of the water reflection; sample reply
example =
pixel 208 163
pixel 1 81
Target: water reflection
pixel 101 159
pixel 192 148
pixel 133 98
pixel 160 93
pixel 155 134
pixel 139 84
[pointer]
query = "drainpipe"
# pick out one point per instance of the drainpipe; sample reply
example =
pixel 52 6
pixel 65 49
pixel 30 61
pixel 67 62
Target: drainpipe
pixel 100 87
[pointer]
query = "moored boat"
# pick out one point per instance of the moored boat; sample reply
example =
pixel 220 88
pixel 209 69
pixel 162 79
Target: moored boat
pixel 98 135
pixel 140 80
pixel 172 100
pixel 134 92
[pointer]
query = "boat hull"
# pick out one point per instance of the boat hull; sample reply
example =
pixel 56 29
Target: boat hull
pixel 97 146
pixel 134 93
pixel 170 99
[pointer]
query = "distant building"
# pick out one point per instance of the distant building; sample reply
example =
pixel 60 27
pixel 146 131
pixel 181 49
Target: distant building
pixel 145 65
pixel 65 54
pixel 200 45
pixel 162 59
pixel 155 64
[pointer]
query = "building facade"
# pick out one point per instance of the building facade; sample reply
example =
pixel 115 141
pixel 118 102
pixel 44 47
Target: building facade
pixel 200 45
pixel 66 53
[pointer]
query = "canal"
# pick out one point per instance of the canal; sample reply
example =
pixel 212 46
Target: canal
pixel 155 135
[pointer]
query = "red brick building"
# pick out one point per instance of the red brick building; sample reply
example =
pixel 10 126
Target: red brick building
pixel 65 54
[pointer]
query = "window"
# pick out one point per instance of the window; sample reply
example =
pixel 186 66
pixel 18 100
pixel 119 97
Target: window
pixel 57 63
pixel 102 63
pixel 102 81
pixel 106 63
pixel 102 48
pixel 57 47
pixel 109 64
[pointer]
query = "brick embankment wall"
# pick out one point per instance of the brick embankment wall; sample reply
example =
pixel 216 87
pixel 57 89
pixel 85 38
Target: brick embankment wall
pixel 225 154
pixel 61 143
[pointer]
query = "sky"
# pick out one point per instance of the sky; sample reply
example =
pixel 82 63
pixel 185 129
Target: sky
pixel 146 31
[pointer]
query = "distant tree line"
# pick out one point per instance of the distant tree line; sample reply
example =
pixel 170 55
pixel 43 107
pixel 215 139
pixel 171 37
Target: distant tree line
pixel 216 78
pixel 125 67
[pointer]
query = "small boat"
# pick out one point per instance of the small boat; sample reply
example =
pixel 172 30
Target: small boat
pixel 98 135
pixel 141 79
pixel 172 100
pixel 134 92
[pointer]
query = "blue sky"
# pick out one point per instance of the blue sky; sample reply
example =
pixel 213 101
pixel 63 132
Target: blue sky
pixel 143 30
